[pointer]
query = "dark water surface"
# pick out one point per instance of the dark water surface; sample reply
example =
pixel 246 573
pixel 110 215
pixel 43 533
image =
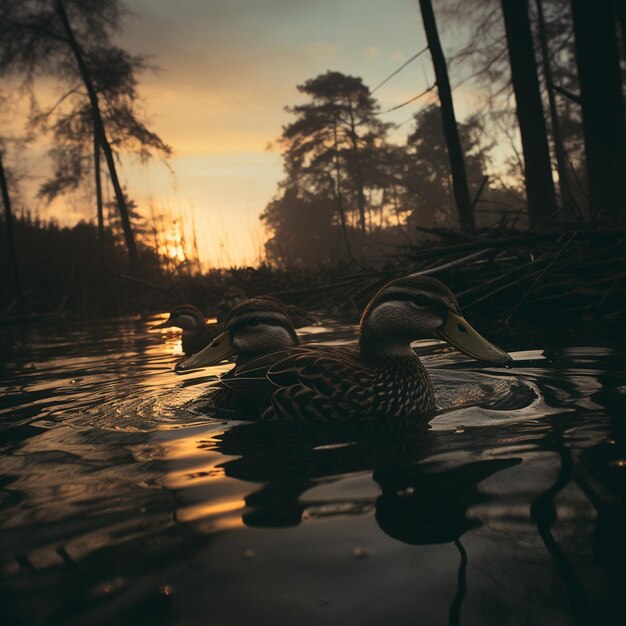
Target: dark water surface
pixel 120 504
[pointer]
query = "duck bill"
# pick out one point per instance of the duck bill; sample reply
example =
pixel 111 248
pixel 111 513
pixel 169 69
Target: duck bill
pixel 218 350
pixel 166 324
pixel 462 336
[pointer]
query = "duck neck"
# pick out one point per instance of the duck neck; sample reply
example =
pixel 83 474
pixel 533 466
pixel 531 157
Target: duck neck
pixel 377 352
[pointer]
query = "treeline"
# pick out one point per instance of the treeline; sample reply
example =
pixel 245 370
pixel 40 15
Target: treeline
pixel 546 149
pixel 72 269
pixel 549 73
pixel 70 43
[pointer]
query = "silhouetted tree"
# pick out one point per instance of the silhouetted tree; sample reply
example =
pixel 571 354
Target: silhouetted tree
pixel 302 228
pixel 427 177
pixel 559 149
pixel 334 138
pixel 457 164
pixel 76 149
pixel 537 167
pixel 8 224
pixel 56 37
pixel 602 102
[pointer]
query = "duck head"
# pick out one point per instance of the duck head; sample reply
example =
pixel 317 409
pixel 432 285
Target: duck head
pixel 419 307
pixel 185 316
pixel 231 299
pixel 253 328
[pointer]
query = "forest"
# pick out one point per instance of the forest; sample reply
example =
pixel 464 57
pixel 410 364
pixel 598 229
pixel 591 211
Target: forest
pixel 525 199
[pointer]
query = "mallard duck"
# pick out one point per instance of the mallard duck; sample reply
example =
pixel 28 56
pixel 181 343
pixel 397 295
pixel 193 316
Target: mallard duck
pixel 197 334
pixel 299 317
pixel 254 328
pixel 383 378
pixel 231 299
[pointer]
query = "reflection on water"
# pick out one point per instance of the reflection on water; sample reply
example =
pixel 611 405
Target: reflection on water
pixel 119 504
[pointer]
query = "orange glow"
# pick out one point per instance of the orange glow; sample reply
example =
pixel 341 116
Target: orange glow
pixel 209 509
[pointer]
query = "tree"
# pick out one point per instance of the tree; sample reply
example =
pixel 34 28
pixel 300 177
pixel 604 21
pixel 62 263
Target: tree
pixel 331 146
pixel 602 102
pixel 56 37
pixel 457 164
pixel 76 148
pixel 302 228
pixel 537 167
pixel 559 150
pixel 426 172
pixel 8 221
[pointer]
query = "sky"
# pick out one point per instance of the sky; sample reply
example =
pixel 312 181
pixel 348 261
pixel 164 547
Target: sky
pixel 227 70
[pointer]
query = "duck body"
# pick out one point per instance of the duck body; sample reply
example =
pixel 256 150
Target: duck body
pixel 383 378
pixel 193 342
pixel 253 329
pixel 320 384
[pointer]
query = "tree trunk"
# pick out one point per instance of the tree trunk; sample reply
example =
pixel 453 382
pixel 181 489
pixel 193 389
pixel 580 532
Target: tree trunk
pixel 342 213
pixel 8 218
pixel 357 169
pixel 602 105
pixel 537 168
pixel 450 130
pixel 559 150
pixel 101 134
pixel 98 177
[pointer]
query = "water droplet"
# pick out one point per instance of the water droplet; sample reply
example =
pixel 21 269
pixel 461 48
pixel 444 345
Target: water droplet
pixel 248 554
pixel 74 381
pixel 611 442
pixel 459 429
pixel 166 590
pixel 619 463
pixel 359 553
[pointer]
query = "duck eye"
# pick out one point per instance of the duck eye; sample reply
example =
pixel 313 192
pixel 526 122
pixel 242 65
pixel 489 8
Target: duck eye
pixel 255 321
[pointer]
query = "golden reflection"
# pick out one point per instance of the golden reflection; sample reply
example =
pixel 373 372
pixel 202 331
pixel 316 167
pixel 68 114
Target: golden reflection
pixel 203 510
pixel 186 478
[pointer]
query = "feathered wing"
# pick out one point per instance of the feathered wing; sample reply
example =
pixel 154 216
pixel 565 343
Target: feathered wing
pixel 303 383
pixel 319 385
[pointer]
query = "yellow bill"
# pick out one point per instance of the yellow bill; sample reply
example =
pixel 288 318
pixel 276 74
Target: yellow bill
pixel 462 336
pixel 218 350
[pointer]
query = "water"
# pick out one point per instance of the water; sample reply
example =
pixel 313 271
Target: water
pixel 120 504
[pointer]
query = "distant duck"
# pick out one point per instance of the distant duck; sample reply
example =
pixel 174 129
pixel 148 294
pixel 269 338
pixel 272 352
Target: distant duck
pixel 299 317
pixel 230 300
pixel 197 334
pixel 383 378
pixel 254 328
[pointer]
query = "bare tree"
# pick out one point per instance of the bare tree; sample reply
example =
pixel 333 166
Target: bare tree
pixel 559 150
pixel 76 149
pixel 57 37
pixel 602 102
pixel 457 163
pixel 100 132
pixel 538 170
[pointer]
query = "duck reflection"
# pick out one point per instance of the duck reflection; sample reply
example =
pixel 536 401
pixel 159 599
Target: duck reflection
pixel 421 501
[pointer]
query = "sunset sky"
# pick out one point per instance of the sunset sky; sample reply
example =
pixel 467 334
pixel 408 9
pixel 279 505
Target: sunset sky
pixel 228 69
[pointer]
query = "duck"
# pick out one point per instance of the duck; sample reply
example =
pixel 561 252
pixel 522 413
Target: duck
pixel 298 316
pixel 254 328
pixel 197 334
pixel 381 378
pixel 230 300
